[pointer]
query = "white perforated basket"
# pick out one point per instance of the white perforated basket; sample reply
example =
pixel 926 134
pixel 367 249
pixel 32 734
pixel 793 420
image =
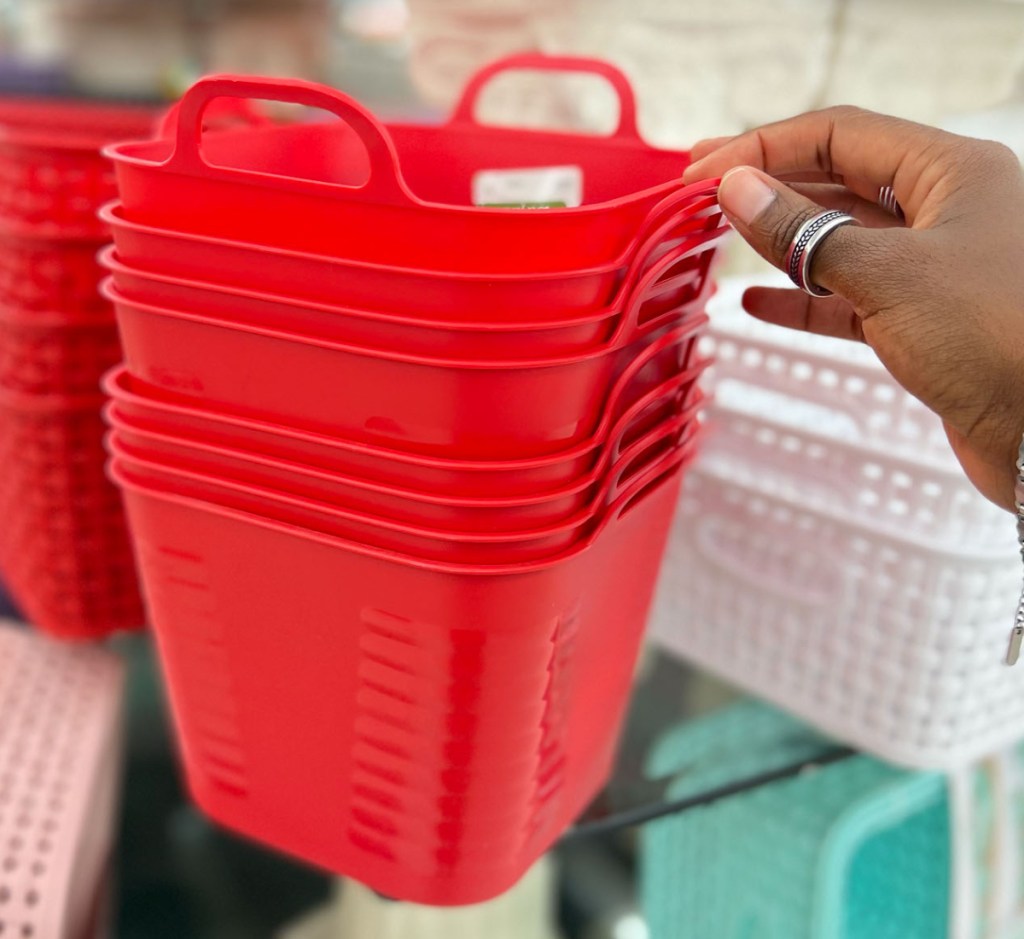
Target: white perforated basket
pixel 855 394
pixel 811 454
pixel 60 758
pixel 830 556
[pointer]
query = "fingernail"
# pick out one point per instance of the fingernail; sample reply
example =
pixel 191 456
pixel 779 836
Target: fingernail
pixel 744 194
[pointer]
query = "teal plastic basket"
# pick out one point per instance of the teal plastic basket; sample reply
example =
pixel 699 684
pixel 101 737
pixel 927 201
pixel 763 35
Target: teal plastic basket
pixel 852 850
pixel 988 840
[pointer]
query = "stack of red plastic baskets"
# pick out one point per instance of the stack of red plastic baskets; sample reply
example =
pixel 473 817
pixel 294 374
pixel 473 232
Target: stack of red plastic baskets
pixel 400 471
pixel 64 549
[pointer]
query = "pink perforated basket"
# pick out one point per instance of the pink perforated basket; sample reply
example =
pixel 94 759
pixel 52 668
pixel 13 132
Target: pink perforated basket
pixel 60 758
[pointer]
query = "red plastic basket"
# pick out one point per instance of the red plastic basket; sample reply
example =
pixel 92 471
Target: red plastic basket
pixel 287 187
pixel 536 298
pixel 468 544
pixel 430 729
pixel 52 174
pixel 437 544
pixel 416 507
pixel 65 555
pixel 469 409
pixel 58 275
pixel 614 324
pixel 54 353
pixel 621 424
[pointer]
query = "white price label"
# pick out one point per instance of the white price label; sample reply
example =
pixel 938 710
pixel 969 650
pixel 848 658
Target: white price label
pixel 535 186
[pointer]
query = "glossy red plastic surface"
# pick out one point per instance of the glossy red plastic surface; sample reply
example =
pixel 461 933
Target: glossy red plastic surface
pixel 416 335
pixel 414 506
pixel 65 554
pixel 151 409
pixel 404 192
pixel 52 174
pixel 499 338
pixel 471 410
pixel 430 729
pixel 481 546
pixel 534 298
pixel 56 353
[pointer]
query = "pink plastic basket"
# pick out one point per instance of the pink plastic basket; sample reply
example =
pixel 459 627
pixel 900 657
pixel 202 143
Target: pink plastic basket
pixel 61 746
pixel 429 729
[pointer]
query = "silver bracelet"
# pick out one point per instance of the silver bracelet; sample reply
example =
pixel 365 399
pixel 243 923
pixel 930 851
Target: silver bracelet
pixel 1017 636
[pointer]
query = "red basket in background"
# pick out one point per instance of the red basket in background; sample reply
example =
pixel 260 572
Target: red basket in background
pixel 54 353
pixel 49 274
pixel 64 548
pixel 65 555
pixel 53 176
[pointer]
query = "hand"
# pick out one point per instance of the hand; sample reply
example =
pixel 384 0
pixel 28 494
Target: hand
pixel 940 299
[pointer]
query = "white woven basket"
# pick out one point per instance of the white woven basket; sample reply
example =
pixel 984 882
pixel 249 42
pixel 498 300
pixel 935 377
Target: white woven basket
pixel 830 557
pixel 808 453
pixel 843 379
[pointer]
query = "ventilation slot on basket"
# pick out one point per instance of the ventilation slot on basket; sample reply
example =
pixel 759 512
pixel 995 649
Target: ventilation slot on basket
pixel 383 780
pixel 554 723
pixel 418 728
pixel 199 640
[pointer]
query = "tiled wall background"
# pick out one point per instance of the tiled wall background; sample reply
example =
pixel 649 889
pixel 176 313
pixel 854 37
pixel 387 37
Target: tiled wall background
pixel 716 68
pixel 705 69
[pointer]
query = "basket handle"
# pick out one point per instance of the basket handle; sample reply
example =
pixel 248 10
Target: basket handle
pixel 653 281
pixel 678 392
pixel 674 463
pixel 686 214
pixel 681 339
pixel 621 491
pixel 465 110
pixel 684 395
pixel 631 470
pixel 242 109
pixel 385 182
pixel 692 199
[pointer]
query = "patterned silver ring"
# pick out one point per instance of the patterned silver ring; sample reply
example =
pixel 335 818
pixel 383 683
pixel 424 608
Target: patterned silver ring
pixel 887 200
pixel 808 239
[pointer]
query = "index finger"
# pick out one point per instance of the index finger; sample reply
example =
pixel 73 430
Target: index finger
pixel 860 149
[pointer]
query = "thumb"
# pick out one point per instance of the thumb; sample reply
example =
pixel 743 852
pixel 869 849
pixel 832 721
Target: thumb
pixel 768 214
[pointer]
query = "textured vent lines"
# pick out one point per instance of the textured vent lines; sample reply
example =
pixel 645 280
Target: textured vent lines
pixel 557 699
pixel 198 638
pixel 422 693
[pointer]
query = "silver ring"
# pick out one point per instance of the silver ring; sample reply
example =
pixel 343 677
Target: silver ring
pixel 887 200
pixel 808 239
